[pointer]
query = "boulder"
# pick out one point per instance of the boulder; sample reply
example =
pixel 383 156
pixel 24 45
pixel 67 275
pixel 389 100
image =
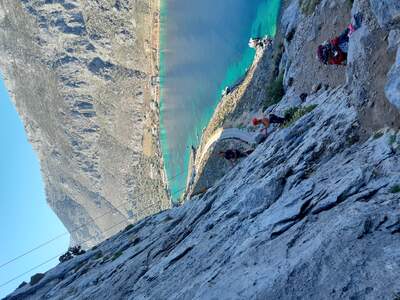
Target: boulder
pixel 394 40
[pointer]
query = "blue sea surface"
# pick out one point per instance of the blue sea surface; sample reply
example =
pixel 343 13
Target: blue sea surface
pixel 203 50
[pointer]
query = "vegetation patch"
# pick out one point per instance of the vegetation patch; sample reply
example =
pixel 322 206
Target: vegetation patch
pixel 130 226
pixel 308 6
pixel 395 189
pixel 36 278
pixel 294 113
pixel 290 35
pixel 105 259
pixel 392 139
pixel 135 240
pixel 168 218
pixel 98 255
pixel 377 135
pixel 275 92
pixel 22 284
pixel 116 255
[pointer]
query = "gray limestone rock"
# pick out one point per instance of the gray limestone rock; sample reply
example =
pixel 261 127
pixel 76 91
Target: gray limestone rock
pixel 392 89
pixel 387 12
pixel 394 40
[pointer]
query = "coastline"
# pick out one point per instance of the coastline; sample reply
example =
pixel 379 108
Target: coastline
pixel 263 23
pixel 231 112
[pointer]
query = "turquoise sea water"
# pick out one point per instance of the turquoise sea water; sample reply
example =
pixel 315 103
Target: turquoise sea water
pixel 203 50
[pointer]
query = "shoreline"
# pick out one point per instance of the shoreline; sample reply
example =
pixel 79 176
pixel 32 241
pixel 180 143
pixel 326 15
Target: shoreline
pixel 155 88
pixel 225 111
pixel 217 121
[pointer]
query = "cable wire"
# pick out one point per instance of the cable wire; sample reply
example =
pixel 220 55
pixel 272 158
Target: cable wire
pixel 51 259
pixel 58 255
pixel 73 231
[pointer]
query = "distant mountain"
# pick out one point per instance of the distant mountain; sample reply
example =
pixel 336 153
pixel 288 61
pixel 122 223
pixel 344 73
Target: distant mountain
pixel 81 74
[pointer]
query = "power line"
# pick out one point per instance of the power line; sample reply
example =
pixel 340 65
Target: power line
pixel 54 257
pixel 66 233
pixel 51 259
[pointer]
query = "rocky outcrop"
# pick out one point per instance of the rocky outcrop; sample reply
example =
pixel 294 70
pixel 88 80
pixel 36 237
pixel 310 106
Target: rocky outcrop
pixel 392 88
pixel 388 17
pixel 311 214
pixel 80 74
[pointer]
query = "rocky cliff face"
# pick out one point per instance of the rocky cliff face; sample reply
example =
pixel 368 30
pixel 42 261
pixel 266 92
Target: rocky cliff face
pixel 81 74
pixel 309 215
pixel 313 213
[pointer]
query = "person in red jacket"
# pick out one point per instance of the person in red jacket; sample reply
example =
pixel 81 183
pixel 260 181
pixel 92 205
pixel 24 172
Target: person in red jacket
pixel 334 52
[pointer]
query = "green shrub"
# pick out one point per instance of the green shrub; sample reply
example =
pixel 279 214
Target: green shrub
pixel 98 255
pixel 392 139
pixel 275 92
pixel 105 259
pixel 294 113
pixel 116 255
pixel 395 189
pixel 308 6
pixel 377 135
pixel 128 227
pixel 36 278
pixel 22 284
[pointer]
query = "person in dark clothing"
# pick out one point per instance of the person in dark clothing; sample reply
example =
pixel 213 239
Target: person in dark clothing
pixel 234 155
pixel 267 121
pixel 334 52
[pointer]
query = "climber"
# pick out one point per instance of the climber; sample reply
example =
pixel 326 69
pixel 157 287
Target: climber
pixel 267 121
pixel 272 119
pixel 233 155
pixel 334 52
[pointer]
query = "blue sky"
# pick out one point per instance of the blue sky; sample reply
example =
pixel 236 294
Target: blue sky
pixel 26 220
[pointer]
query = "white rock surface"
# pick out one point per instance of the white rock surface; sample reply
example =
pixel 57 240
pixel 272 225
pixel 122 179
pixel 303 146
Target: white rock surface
pixel 392 88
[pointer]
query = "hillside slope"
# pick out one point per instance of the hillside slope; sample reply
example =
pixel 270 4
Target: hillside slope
pixel 80 74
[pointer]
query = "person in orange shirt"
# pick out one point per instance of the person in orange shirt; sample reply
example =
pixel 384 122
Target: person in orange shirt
pixel 272 119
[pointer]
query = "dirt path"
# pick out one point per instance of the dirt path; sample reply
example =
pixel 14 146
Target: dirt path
pixel 225 134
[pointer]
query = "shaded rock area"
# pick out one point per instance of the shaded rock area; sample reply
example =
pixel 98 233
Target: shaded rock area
pixel 80 74
pixel 369 62
pixel 312 213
